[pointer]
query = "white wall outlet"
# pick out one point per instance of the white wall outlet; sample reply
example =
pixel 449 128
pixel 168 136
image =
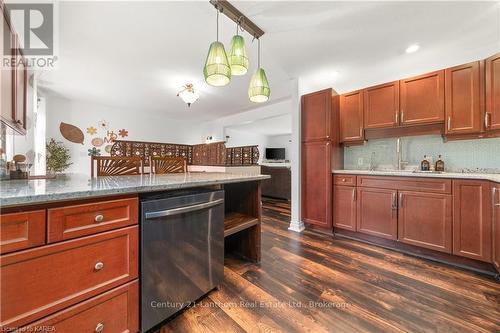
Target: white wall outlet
pixel 360 161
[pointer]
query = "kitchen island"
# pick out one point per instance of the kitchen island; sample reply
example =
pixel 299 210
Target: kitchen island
pixel 70 246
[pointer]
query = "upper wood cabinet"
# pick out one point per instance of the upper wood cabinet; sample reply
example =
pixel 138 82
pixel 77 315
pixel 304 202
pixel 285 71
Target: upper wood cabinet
pixel 463 110
pixel 317 183
pixel 344 207
pixel 377 212
pixel 472 219
pixel 496 225
pixel 425 220
pixel 13 81
pixel 351 117
pixel 492 115
pixel 422 99
pixel 381 105
pixel 317 116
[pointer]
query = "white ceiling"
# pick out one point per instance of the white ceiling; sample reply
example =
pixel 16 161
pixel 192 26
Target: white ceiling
pixel 137 55
pixel 278 125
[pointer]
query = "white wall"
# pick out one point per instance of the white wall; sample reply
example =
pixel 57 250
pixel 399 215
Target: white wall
pixel 281 141
pixel 216 128
pixel 141 126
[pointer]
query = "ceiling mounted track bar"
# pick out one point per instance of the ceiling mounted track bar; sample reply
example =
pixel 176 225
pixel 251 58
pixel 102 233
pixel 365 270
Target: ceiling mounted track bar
pixel 238 17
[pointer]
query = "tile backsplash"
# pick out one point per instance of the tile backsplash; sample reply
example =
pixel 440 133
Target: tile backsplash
pixel 464 155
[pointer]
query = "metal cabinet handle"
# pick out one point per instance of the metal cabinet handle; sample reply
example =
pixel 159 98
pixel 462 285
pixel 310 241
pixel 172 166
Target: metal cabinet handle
pixel 402 116
pixel 98 266
pixel 343 179
pixel 397 117
pixel 394 203
pixel 449 123
pixel 354 194
pixel 487 120
pixel 401 198
pixel 99 328
pixel 99 218
pixel 494 196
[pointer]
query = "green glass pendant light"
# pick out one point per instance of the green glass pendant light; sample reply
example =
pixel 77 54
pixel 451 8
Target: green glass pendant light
pixel 217 71
pixel 238 55
pixel 259 90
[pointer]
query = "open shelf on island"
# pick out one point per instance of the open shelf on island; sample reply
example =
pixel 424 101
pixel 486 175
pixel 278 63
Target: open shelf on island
pixel 235 222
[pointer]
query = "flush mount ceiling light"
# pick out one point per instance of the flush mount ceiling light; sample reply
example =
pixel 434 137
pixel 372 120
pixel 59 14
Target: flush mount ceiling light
pixel 217 71
pixel 238 55
pixel 259 90
pixel 412 48
pixel 188 94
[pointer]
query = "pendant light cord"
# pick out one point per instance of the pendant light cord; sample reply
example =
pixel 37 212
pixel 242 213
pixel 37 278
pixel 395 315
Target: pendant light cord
pixel 258 56
pixel 217 23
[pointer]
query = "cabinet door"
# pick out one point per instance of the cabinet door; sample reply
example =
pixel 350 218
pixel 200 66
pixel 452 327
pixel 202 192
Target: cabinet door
pixel 496 226
pixel 377 213
pixel 463 112
pixel 317 115
pixel 351 116
pixel 317 184
pixel 472 219
pixel 381 105
pixel 344 207
pixel 425 219
pixel 7 77
pixel 422 99
pixel 492 120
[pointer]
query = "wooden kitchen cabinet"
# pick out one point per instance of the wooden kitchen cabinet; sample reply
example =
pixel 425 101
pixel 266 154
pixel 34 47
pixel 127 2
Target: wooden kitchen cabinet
pixel 344 207
pixel 381 106
pixel 462 90
pixel 317 116
pixel 492 115
pixel 496 225
pixel 472 219
pixel 317 183
pixel 377 212
pixel 351 117
pixel 425 220
pixel 422 99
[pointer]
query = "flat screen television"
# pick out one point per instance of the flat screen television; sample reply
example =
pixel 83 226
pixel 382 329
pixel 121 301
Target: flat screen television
pixel 275 153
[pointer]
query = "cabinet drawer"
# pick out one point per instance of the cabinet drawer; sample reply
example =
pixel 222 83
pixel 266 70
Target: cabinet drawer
pixel 22 230
pixel 41 281
pixel 81 220
pixel 114 311
pixel 347 180
pixel 407 183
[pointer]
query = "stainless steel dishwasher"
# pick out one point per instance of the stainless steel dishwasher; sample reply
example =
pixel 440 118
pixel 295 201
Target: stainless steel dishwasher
pixel 182 251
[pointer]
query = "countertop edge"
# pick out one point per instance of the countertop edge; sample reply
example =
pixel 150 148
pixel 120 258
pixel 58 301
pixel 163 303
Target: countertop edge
pixel 453 175
pixel 99 193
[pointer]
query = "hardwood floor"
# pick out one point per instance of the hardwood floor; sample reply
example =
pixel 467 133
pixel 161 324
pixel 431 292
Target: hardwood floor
pixel 314 283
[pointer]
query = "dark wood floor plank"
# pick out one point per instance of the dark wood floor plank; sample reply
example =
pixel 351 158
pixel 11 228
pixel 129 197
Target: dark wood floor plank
pixel 381 290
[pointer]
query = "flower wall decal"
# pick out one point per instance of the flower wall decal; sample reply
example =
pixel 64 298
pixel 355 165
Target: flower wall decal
pixel 103 124
pixel 123 133
pixel 94 152
pixel 91 130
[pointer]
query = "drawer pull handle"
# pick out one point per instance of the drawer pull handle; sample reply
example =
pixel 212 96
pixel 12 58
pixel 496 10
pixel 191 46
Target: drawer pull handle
pixel 99 328
pixel 99 266
pixel 343 179
pixel 99 218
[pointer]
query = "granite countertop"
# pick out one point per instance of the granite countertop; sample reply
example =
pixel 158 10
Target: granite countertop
pixel 78 186
pixel 409 173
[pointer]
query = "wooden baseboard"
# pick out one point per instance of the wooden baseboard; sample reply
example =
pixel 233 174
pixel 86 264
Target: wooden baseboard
pixel 444 258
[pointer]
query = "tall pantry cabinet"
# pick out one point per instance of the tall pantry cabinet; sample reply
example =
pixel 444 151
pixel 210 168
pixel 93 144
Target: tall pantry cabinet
pixel 321 152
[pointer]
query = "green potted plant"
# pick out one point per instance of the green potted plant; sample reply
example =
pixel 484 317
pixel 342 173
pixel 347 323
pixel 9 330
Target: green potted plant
pixel 58 157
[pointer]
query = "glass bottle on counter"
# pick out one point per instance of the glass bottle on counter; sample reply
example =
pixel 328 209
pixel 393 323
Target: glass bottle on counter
pixel 425 165
pixel 439 164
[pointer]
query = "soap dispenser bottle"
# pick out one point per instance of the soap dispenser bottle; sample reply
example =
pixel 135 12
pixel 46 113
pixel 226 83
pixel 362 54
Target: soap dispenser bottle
pixel 439 164
pixel 425 165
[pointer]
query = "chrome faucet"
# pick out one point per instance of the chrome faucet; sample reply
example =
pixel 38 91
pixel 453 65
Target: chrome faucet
pixel 399 154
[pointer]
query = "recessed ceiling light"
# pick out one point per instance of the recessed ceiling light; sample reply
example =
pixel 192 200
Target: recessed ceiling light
pixel 412 48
